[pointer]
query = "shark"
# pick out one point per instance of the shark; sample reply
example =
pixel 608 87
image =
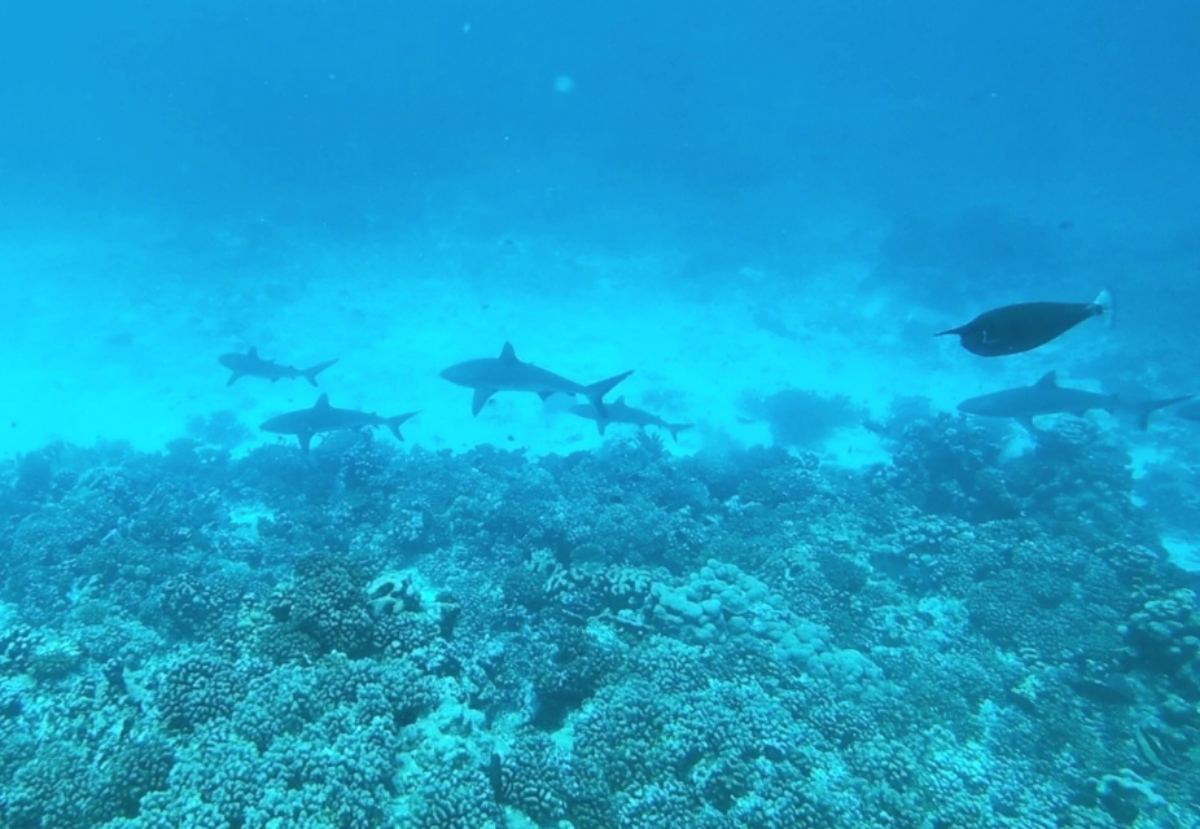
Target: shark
pixel 488 375
pixel 621 412
pixel 1189 412
pixel 1047 397
pixel 322 417
pixel 251 365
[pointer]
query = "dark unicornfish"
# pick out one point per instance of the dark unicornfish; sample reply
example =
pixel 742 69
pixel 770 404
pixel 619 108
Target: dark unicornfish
pixel 488 375
pixel 322 417
pixel 1025 326
pixel 620 412
pixel 1047 397
pixel 251 365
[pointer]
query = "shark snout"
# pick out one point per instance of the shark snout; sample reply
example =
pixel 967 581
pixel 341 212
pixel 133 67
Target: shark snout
pixel 454 374
pixel 975 407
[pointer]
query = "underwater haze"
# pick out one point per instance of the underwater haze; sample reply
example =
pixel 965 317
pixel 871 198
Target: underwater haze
pixel 599 415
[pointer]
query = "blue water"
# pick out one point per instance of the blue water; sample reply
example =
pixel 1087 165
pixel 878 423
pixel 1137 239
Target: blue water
pixel 799 589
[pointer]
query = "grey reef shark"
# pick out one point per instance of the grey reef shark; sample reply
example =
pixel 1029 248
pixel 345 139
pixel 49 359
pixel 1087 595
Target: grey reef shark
pixel 620 412
pixel 1047 397
pixel 1189 412
pixel 488 375
pixel 251 365
pixel 1027 325
pixel 306 423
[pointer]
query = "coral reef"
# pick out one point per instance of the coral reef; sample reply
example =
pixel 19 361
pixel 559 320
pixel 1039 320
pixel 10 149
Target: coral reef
pixel 391 637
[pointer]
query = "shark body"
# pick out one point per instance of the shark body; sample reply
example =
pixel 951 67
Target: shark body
pixel 251 365
pixel 1047 397
pixel 488 375
pixel 620 412
pixel 1189 412
pixel 306 423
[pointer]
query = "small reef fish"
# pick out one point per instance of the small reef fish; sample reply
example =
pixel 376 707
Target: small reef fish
pixel 1047 397
pixel 488 375
pixel 1027 325
pixel 251 365
pixel 322 417
pixel 620 412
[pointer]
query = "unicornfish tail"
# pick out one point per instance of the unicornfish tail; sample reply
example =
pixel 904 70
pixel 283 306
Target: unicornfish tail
pixel 596 391
pixel 310 374
pixel 1104 307
pixel 1142 411
pixel 393 423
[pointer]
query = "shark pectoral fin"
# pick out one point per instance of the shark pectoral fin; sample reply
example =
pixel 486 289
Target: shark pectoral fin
pixel 601 425
pixel 233 378
pixel 305 439
pixel 480 399
pixel 1027 422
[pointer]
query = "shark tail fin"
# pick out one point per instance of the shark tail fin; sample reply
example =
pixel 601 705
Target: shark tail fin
pixel 596 391
pixel 1104 307
pixel 676 428
pixel 1142 411
pixel 310 374
pixel 394 423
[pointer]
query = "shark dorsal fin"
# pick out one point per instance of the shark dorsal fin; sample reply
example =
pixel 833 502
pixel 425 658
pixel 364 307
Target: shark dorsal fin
pixel 322 402
pixel 508 354
pixel 1049 381
pixel 253 352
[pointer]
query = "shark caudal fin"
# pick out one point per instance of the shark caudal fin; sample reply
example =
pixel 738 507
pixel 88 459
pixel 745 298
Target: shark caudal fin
pixel 596 391
pixel 394 423
pixel 676 428
pixel 310 374
pixel 1104 308
pixel 1143 410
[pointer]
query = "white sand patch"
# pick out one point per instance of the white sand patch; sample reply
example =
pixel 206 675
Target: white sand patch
pixel 110 337
pixel 1183 552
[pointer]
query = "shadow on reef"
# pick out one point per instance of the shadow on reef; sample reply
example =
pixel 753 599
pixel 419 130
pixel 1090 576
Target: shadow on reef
pixel 620 638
